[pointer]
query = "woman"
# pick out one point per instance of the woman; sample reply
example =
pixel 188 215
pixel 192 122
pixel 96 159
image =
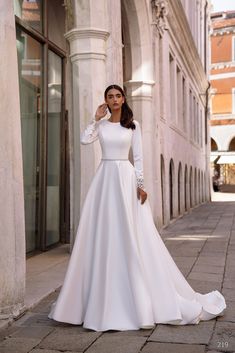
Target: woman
pixel 120 275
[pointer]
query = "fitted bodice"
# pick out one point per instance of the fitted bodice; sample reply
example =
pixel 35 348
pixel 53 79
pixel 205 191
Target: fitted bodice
pixel 115 140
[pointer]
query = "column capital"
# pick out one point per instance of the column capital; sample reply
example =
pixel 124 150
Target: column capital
pixel 139 89
pixel 87 43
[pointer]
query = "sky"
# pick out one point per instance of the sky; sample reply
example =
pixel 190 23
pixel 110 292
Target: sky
pixel 223 5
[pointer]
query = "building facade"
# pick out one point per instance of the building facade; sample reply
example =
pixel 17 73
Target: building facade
pixel 62 55
pixel 222 78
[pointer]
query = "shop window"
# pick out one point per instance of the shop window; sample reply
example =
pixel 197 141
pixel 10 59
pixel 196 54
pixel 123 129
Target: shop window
pixel 214 146
pixel 232 145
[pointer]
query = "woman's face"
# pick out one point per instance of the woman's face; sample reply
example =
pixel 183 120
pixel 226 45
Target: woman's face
pixel 114 99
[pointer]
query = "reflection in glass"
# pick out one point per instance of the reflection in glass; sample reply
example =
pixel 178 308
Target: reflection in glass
pixel 29 11
pixel 53 149
pixel 29 64
pixel 56 23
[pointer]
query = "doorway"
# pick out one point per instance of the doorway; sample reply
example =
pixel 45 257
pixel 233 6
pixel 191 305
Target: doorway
pixel 41 67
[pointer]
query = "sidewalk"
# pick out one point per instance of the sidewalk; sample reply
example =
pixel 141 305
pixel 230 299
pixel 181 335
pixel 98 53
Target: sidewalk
pixel 202 244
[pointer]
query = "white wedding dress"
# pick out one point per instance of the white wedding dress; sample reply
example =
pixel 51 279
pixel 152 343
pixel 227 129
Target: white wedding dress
pixel 121 275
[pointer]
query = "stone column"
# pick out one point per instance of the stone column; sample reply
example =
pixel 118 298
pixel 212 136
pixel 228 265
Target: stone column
pixel 12 230
pixel 88 57
pixel 139 95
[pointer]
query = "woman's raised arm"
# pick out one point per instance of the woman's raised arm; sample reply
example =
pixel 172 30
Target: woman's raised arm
pixel 91 132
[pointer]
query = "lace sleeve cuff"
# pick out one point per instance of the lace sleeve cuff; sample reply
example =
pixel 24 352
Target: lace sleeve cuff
pixel 140 182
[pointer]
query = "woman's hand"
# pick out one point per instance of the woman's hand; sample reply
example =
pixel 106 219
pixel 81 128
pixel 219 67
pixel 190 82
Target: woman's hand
pixel 101 111
pixel 142 195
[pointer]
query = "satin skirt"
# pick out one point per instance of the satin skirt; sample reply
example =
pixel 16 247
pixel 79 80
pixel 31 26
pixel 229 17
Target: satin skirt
pixel 120 274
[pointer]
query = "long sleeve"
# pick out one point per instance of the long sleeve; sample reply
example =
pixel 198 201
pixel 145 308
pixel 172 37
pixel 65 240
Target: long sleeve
pixel 137 150
pixel 90 134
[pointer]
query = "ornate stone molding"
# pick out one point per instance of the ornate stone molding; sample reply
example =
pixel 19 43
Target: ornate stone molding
pixel 139 90
pixel 87 43
pixel 159 12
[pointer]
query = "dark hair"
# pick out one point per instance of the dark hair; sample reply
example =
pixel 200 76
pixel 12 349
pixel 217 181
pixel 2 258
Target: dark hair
pixel 126 114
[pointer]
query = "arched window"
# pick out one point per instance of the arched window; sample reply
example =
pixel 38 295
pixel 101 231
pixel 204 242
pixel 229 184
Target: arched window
pixel 171 188
pixel 202 187
pixel 179 188
pixel 186 188
pixel 191 186
pixel 163 188
pixel 214 146
pixel 232 145
pixel 199 187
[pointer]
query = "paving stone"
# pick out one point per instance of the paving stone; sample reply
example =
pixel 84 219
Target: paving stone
pixel 4 323
pixel 192 334
pixel 203 286
pixel 39 320
pixel 229 314
pixel 20 321
pixel 140 333
pixel 230 277
pixel 44 306
pixel 208 269
pixel 48 351
pixel 185 261
pixel 199 239
pixel 32 332
pixel 211 277
pixel 212 253
pixel 183 252
pixel 227 283
pixel 18 345
pixel 223 338
pixel 211 260
pixel 117 344
pixel 5 333
pixel 185 271
pixel 70 338
pixel 154 347
pixel 229 294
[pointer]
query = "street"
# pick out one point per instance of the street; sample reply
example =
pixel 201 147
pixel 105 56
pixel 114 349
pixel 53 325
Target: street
pixel 202 244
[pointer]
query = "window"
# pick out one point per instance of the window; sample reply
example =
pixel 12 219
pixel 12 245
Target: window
pixel 232 145
pixel 197 123
pixel 194 119
pixel 214 146
pixel 201 129
pixel 184 103
pixel 179 96
pixel 30 12
pixel 233 48
pixel 233 100
pixel 161 78
pixel 172 87
pixel 191 113
pixel 41 65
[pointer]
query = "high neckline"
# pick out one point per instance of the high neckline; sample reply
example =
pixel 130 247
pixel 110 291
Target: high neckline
pixel 113 122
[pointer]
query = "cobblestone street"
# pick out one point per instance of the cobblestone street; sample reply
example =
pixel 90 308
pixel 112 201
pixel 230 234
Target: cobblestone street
pixel 202 244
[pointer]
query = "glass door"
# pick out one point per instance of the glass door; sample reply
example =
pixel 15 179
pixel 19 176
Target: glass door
pixel 41 47
pixel 30 63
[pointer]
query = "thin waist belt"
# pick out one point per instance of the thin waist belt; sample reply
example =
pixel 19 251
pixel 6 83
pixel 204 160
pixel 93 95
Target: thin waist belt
pixel 114 159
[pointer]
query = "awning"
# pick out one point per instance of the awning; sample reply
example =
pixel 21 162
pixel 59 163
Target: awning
pixel 213 158
pixel 226 160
